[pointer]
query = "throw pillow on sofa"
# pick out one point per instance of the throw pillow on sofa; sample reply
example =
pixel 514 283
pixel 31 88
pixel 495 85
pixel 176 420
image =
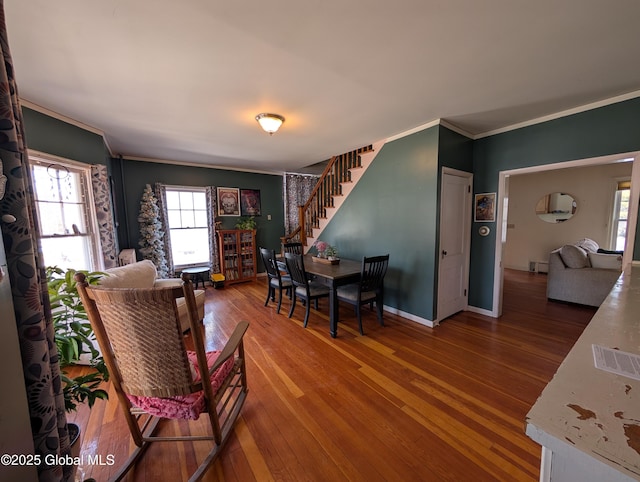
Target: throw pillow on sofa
pixel 606 261
pixel 574 257
pixel 588 245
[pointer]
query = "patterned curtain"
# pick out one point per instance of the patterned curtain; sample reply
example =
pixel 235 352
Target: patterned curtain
pixel 297 190
pixel 161 196
pixel 212 209
pixel 104 215
pixel 28 281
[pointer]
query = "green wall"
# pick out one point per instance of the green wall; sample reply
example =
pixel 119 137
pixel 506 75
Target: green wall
pixel 395 206
pixel 455 150
pixel 613 129
pixel 53 136
pixel 131 177
pixel 393 210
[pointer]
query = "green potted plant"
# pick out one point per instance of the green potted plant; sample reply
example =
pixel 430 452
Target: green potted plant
pixel 246 222
pixel 74 337
pixel 75 342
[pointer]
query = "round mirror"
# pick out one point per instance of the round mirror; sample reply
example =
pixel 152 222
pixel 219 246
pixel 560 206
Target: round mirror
pixel 556 207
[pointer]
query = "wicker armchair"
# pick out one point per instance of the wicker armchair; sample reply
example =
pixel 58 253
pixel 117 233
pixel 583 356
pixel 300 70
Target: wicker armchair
pixel 155 377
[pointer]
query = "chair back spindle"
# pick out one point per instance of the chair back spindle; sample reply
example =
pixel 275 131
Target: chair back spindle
pixel 374 270
pixel 295 267
pixel 303 288
pixel 295 248
pixel 269 261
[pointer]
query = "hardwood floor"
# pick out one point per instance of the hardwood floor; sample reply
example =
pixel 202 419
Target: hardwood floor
pixel 404 402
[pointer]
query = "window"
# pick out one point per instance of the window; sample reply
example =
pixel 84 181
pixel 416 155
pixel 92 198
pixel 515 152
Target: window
pixel 188 228
pixel 64 205
pixel 620 215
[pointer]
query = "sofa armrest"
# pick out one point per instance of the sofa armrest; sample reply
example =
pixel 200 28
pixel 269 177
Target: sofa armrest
pixel 555 261
pixel 167 282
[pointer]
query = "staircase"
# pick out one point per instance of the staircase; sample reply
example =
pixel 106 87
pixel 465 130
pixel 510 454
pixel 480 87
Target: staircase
pixel 337 181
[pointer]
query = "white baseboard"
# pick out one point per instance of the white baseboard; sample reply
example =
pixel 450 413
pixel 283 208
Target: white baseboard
pixel 482 311
pixel 410 317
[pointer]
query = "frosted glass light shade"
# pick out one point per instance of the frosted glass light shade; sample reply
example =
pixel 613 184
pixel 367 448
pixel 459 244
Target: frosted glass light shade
pixel 270 122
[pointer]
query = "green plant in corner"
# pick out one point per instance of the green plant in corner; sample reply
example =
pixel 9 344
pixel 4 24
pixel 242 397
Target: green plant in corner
pixel 246 222
pixel 74 337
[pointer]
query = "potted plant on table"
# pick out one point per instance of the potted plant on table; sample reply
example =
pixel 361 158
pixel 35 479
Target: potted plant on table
pixel 331 252
pixel 326 252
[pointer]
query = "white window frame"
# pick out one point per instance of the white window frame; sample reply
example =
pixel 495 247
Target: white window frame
pixel 192 189
pixel 615 212
pixel 84 171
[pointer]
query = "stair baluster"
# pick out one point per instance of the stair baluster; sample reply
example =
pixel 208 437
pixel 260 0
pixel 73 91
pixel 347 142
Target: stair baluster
pixel 328 186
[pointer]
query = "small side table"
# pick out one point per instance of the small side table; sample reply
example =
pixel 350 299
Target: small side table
pixel 198 273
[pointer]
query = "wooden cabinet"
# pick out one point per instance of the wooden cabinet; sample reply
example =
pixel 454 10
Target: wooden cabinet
pixel 237 251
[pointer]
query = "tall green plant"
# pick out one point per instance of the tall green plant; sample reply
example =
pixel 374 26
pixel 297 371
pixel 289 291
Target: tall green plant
pixel 74 337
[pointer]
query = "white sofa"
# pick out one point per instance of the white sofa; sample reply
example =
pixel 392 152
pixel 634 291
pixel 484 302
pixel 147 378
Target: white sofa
pixel 143 274
pixel 579 274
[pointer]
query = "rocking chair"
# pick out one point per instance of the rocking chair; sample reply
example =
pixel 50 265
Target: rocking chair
pixel 155 377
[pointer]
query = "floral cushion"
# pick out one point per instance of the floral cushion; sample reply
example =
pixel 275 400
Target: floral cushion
pixel 185 406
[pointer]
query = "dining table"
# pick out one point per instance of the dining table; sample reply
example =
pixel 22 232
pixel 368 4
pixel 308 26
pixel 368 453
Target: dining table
pixel 333 275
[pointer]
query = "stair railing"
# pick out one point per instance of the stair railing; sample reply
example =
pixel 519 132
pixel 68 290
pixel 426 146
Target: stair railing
pixel 328 186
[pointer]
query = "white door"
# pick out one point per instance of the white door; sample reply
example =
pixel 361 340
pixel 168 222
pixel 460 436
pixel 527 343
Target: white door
pixel 455 221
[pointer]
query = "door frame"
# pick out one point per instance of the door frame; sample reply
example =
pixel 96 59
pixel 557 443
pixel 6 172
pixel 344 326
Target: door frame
pixel 466 234
pixel 502 203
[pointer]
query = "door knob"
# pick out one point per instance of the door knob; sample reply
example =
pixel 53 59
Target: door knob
pixel 444 253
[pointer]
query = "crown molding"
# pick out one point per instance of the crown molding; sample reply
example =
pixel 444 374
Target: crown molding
pixel 530 122
pixel 560 114
pixel 195 164
pixel 455 128
pixel 432 123
pixel 68 120
pixel 413 131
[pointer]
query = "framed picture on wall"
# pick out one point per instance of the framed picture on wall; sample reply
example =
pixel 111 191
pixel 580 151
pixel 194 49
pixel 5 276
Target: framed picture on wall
pixel 250 202
pixel 485 207
pixel 228 201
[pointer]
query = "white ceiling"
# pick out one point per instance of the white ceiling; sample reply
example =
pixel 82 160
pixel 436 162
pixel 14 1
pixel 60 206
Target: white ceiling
pixel 183 81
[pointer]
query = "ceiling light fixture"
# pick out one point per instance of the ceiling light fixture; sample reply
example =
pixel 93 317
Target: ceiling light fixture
pixel 270 122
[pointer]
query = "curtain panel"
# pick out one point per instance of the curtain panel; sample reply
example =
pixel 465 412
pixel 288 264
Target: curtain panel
pixel 161 197
pixel 28 280
pixel 104 215
pixel 212 209
pixel 297 190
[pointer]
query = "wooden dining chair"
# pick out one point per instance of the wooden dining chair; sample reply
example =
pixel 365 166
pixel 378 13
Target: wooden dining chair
pixel 369 289
pixel 276 281
pixel 155 377
pixel 303 288
pixel 295 248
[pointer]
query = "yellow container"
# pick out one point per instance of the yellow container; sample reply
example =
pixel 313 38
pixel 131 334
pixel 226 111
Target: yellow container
pixel 218 280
